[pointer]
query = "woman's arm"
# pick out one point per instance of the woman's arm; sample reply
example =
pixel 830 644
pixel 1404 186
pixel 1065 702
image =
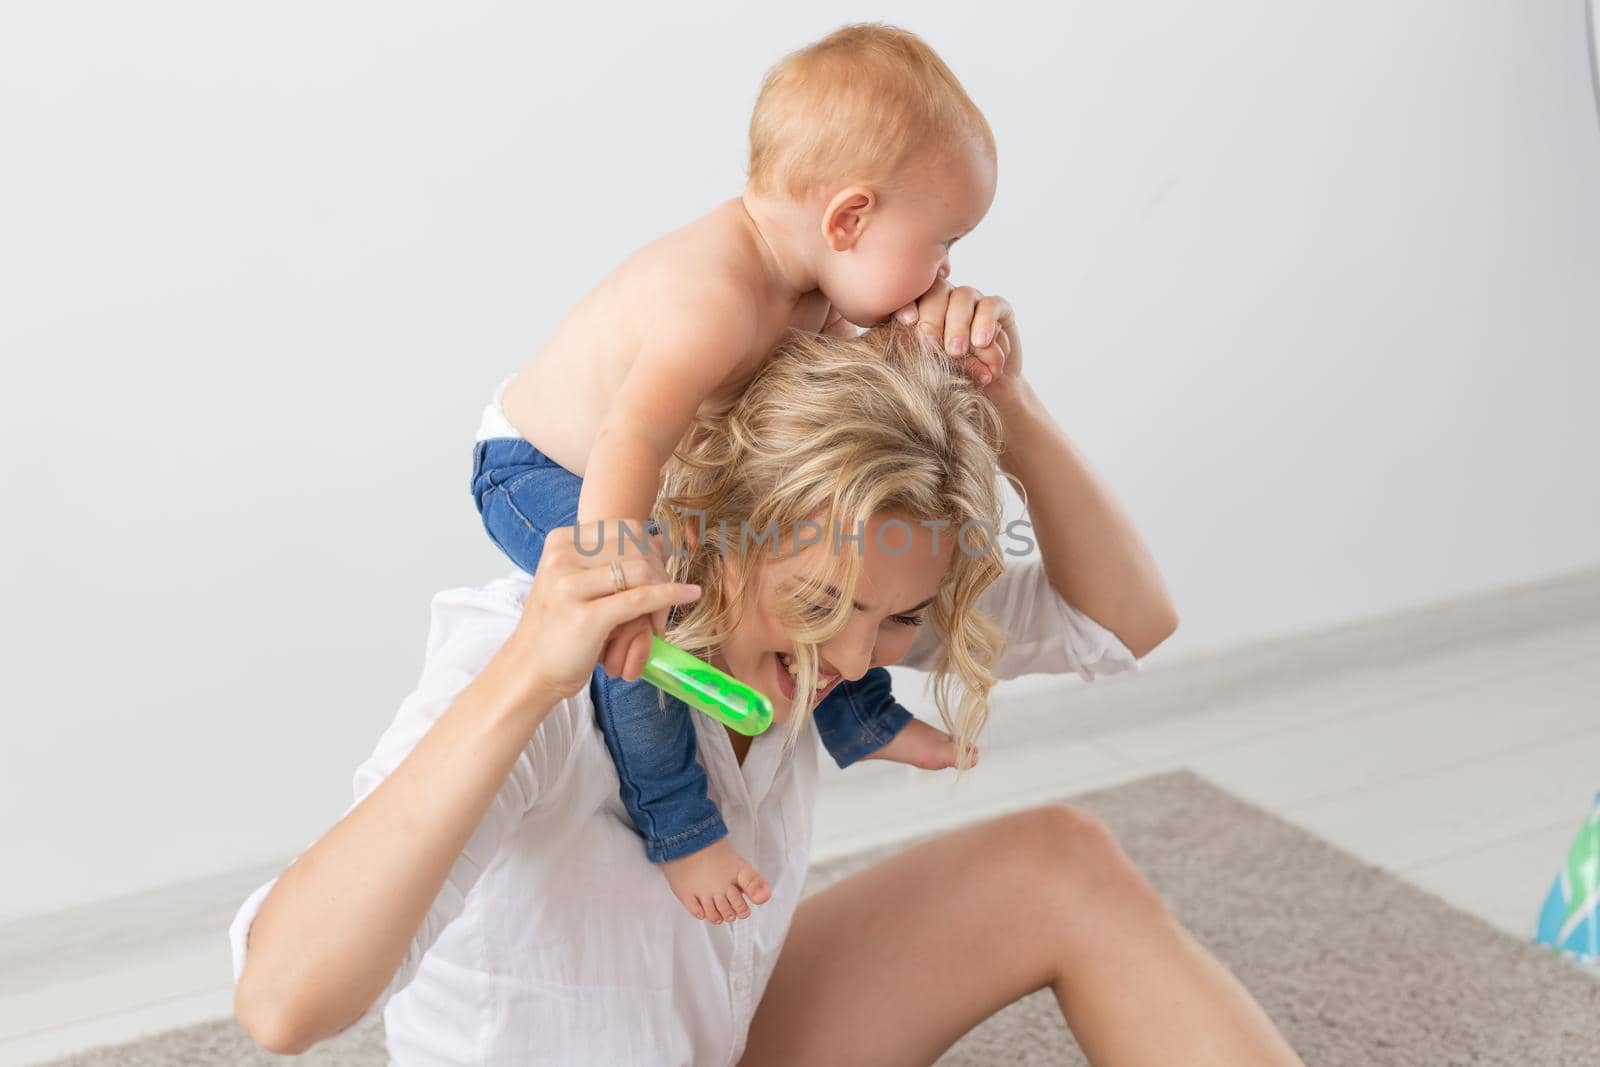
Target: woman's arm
pixel 1093 555
pixel 1091 550
pixel 337 925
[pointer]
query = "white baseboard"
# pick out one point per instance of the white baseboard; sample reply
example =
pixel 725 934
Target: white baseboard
pixel 1199 684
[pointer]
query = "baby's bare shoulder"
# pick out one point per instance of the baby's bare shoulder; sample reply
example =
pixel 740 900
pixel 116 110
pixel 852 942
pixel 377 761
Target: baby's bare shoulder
pixel 707 269
pixel 717 238
pixel 713 246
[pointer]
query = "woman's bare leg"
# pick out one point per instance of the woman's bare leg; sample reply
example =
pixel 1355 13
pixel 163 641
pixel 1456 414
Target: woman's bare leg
pixel 894 964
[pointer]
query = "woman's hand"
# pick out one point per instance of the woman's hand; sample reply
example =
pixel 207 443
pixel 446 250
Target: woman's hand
pixel 573 605
pixel 630 642
pixel 979 332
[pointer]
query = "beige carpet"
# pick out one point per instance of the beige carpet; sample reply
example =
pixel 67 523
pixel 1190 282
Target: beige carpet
pixel 1358 968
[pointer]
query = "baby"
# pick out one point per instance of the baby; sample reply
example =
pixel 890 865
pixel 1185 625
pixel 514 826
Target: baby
pixel 868 161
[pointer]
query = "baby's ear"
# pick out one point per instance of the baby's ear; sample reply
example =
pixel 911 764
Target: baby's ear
pixel 844 218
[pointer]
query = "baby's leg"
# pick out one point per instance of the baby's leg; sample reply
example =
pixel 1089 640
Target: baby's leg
pixel 522 495
pixel 652 742
pixel 862 720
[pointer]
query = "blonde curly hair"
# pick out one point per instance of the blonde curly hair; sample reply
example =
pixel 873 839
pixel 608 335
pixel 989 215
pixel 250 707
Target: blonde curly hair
pixel 835 431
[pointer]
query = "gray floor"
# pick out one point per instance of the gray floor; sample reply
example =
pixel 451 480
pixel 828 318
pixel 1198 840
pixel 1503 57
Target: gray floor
pixel 1458 747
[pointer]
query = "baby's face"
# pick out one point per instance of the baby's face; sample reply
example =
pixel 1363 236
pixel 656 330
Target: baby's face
pixel 905 246
pixel 900 574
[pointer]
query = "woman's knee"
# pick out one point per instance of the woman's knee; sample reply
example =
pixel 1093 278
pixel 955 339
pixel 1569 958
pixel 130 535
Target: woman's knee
pixel 1074 858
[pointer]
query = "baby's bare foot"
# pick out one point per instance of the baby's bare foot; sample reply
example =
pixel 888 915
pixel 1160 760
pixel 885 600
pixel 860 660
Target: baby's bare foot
pixel 714 882
pixel 920 744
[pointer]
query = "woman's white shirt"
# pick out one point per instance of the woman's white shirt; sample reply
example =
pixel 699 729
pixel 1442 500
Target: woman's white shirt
pixel 553 939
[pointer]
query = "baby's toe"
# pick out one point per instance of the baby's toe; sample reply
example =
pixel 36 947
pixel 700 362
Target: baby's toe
pixel 754 886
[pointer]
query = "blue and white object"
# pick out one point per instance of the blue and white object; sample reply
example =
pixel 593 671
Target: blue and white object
pixel 1570 921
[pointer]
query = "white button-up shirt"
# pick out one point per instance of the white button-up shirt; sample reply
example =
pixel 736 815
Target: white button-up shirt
pixel 553 939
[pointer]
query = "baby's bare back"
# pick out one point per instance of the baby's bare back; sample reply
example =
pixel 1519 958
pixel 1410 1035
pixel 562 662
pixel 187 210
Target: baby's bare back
pixel 560 397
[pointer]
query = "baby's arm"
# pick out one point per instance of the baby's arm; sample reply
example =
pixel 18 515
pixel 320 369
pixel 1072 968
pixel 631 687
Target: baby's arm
pixel 689 346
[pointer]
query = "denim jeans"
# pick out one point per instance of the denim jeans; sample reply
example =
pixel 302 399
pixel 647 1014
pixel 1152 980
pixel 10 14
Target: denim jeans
pixel 522 495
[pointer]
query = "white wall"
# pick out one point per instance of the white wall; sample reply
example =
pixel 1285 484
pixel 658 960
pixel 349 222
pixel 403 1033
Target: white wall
pixel 1313 283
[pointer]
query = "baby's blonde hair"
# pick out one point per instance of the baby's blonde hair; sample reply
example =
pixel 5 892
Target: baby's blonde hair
pixel 856 105
pixel 835 432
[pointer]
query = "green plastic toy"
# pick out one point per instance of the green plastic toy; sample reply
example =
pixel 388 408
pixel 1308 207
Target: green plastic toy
pixel 696 682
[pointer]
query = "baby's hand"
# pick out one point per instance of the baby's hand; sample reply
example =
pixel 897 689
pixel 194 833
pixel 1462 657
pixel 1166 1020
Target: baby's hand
pixel 979 331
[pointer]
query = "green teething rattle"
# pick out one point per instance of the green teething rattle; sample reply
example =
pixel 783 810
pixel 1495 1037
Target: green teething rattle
pixel 694 681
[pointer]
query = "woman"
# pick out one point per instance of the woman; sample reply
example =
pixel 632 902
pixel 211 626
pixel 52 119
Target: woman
pixel 490 873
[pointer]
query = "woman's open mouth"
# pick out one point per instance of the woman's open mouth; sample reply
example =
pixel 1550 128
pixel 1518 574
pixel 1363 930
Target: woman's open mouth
pixel 786 671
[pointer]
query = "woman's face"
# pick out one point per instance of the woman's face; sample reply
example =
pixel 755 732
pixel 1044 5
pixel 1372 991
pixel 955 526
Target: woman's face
pixel 900 573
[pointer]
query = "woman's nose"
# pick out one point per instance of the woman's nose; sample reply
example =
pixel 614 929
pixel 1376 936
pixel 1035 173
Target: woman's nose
pixel 850 656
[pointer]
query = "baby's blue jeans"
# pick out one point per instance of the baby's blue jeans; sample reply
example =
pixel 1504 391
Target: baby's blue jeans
pixel 522 495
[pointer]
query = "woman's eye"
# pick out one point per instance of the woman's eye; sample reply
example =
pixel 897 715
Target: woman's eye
pixel 907 620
